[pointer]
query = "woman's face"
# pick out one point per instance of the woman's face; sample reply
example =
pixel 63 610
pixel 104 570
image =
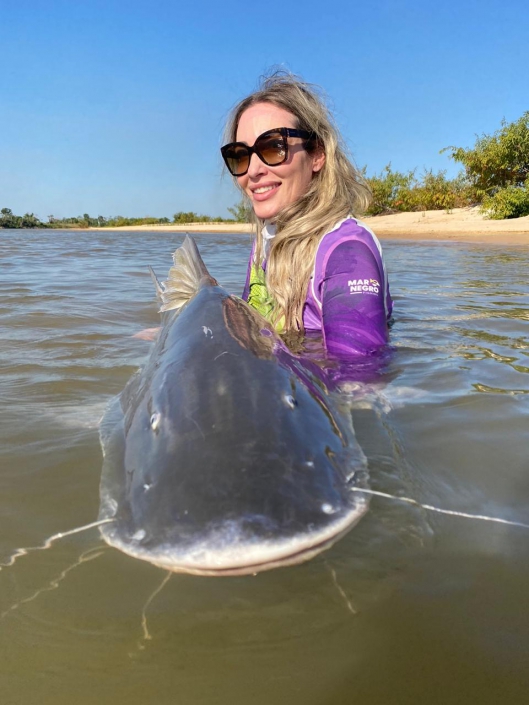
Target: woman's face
pixel 271 188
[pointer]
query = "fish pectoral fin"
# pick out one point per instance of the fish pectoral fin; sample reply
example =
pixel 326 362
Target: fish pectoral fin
pixel 185 276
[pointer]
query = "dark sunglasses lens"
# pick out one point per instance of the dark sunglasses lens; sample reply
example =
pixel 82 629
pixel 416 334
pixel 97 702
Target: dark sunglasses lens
pixel 272 149
pixel 237 159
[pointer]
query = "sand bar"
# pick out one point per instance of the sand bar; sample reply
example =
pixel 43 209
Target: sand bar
pixel 459 225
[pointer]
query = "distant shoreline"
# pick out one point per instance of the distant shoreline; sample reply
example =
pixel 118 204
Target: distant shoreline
pixel 210 227
pixel 459 225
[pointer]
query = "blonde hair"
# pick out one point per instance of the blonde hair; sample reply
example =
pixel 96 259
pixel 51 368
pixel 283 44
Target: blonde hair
pixel 336 191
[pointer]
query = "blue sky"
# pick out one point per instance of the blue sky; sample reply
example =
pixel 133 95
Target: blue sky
pixel 117 107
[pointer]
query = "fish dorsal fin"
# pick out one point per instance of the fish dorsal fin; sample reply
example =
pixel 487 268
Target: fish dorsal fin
pixel 185 276
pixel 157 285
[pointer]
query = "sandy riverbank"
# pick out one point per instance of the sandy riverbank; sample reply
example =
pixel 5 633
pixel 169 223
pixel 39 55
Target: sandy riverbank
pixel 460 225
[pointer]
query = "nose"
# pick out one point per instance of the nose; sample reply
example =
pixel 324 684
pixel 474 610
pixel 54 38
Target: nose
pixel 256 166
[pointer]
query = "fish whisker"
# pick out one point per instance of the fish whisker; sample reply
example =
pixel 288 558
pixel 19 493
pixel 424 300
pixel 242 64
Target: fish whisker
pixel 88 555
pixel 450 512
pixel 146 634
pixel 19 552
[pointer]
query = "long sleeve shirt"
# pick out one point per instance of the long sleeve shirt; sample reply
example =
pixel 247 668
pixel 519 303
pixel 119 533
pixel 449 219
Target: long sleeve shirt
pixel 348 300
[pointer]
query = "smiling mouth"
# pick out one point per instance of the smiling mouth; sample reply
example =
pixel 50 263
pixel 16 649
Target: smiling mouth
pixel 264 191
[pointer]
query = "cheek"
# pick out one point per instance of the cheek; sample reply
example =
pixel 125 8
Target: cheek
pixel 242 182
pixel 301 178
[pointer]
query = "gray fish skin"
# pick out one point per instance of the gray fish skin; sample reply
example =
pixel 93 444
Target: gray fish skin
pixel 225 455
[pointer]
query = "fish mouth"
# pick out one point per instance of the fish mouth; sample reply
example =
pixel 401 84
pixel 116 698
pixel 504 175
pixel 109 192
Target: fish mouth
pixel 235 557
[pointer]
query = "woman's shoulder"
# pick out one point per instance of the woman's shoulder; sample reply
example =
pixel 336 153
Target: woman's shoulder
pixel 347 230
pixel 349 247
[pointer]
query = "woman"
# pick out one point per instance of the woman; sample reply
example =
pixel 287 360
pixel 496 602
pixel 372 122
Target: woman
pixel 314 267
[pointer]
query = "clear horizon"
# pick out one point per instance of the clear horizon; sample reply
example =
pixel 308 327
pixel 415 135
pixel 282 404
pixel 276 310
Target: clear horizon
pixel 113 108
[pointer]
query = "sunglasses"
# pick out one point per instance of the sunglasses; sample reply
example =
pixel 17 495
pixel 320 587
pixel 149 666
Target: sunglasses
pixel 271 147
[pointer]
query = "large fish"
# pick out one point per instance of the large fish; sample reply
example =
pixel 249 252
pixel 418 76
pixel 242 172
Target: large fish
pixel 225 455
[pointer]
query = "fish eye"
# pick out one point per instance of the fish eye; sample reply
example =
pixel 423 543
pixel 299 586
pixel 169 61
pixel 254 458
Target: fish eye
pixel 155 421
pixel 290 401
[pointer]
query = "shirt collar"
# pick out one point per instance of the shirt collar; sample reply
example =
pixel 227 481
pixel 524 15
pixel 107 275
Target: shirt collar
pixel 268 233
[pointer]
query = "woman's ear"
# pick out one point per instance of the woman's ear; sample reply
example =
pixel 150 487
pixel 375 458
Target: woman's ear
pixel 318 160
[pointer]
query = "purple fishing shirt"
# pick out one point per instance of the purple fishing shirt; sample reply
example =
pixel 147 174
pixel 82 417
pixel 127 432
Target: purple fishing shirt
pixel 348 299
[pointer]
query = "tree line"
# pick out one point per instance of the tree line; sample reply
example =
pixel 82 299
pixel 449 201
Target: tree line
pixel 9 220
pixel 494 176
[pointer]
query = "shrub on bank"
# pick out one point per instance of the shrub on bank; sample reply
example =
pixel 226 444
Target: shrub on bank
pixel 499 160
pixel 395 191
pixel 510 202
pixel 497 167
pixel 390 191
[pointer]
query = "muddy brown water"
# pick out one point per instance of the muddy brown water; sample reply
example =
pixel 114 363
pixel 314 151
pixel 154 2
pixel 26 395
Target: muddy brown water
pixel 409 607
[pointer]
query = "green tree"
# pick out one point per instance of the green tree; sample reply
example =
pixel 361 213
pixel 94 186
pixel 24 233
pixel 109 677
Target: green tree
pixel 395 191
pixel 391 191
pixel 181 217
pixel 510 202
pixel 242 211
pixel 497 161
pixel 7 219
pixel 435 192
pixel 29 220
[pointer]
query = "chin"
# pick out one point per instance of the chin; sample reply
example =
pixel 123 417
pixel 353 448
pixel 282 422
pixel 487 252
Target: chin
pixel 267 212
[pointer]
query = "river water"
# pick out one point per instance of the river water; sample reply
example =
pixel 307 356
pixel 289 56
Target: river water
pixel 411 606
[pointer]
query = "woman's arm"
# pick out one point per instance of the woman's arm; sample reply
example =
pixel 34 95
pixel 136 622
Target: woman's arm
pixel 352 296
